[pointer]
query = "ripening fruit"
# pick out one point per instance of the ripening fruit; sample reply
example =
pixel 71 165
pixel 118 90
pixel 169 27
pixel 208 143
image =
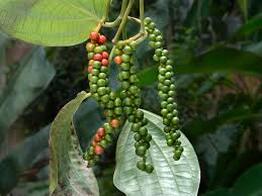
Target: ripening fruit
pixel 115 123
pixel 105 55
pixel 102 39
pixel 101 132
pixel 90 69
pixel 97 138
pixel 90 47
pixel 98 57
pixel 118 60
pixel 104 62
pixel 99 150
pixel 94 36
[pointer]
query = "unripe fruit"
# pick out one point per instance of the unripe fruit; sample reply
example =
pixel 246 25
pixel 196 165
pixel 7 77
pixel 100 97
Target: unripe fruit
pixel 141 165
pixel 141 151
pixel 149 168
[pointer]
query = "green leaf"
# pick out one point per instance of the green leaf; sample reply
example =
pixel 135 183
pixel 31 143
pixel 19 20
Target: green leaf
pixel 169 177
pixel 249 183
pixel 21 158
pixel 33 75
pixel 220 59
pixel 68 172
pixel 51 22
pixel 251 26
pixel 219 192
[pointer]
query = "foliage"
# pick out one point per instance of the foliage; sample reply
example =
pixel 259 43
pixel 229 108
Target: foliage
pixel 216 46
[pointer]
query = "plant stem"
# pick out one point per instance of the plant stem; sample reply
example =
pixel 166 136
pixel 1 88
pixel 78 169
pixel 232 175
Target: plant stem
pixel 117 21
pixel 124 20
pixel 142 15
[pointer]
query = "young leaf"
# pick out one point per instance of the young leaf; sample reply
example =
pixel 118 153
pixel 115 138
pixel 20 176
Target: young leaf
pixel 168 178
pixel 51 22
pixel 68 172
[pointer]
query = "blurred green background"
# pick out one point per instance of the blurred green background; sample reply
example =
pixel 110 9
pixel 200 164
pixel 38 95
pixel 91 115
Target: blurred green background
pixel 217 49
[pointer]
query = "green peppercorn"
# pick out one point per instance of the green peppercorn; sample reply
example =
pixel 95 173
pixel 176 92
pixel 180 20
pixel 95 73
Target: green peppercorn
pixel 143 131
pixel 137 137
pixel 141 151
pixel 141 165
pixel 149 168
pixel 125 66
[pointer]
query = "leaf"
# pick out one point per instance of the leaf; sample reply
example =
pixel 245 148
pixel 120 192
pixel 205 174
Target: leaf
pixel 21 159
pixel 251 26
pixel 33 75
pixel 68 172
pixel 51 22
pixel 169 177
pixel 219 59
pixel 199 126
pixel 249 183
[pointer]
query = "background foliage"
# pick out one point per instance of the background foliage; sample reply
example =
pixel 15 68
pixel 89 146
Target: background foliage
pixel 217 48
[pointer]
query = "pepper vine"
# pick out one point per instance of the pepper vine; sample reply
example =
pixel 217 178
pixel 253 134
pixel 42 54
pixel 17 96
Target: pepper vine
pixel 125 103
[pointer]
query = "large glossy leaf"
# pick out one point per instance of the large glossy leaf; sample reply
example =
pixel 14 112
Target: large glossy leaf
pixel 248 183
pixel 51 22
pixel 169 177
pixel 251 26
pixel 33 75
pixel 68 172
pixel 21 158
pixel 220 59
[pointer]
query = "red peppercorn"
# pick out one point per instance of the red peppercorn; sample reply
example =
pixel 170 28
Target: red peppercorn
pixel 90 69
pixel 118 60
pixel 105 62
pixel 105 55
pixel 94 36
pixel 115 123
pixel 97 138
pixel 102 39
pixel 101 132
pixel 98 57
pixel 99 150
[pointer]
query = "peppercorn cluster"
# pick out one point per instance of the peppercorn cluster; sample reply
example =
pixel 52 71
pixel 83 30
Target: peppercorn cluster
pixel 166 88
pixel 98 69
pixel 131 102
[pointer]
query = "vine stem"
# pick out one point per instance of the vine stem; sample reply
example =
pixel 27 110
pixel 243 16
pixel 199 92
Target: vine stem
pixel 124 20
pixel 142 15
pixel 117 21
